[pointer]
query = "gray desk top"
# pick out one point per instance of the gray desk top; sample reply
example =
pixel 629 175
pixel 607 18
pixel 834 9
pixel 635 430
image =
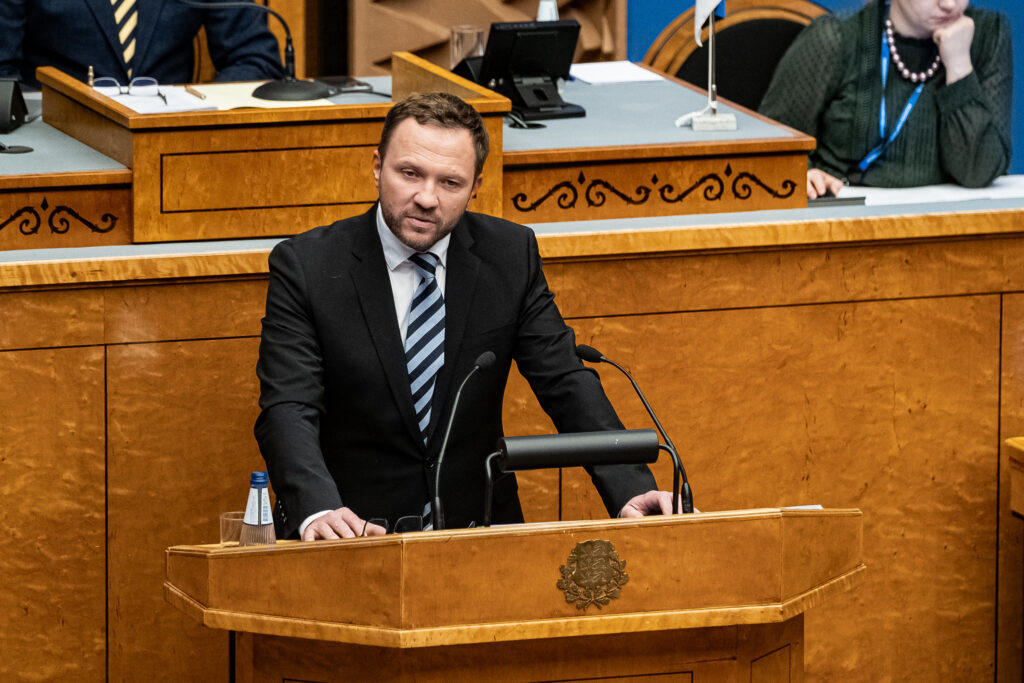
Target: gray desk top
pixel 631 114
pixel 54 152
pixel 381 84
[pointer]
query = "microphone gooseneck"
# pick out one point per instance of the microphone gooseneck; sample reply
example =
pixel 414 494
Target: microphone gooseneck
pixel 592 355
pixel 482 362
pixel 288 89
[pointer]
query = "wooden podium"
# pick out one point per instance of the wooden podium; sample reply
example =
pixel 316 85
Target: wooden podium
pixel 706 597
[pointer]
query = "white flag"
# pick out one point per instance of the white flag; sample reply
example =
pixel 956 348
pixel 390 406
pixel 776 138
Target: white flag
pixel 701 11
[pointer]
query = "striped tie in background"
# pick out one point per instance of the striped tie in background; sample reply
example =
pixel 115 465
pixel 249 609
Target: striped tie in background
pixel 424 340
pixel 126 16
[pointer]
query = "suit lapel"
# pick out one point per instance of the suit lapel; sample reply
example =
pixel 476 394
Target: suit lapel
pixel 103 13
pixel 460 284
pixel 373 286
pixel 149 16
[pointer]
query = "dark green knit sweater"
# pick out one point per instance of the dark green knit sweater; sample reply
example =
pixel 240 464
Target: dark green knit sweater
pixel 829 82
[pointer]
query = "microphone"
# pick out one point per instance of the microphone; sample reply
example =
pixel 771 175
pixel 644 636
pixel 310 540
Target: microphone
pixel 289 88
pixel 482 362
pixel 592 355
pixel 577 449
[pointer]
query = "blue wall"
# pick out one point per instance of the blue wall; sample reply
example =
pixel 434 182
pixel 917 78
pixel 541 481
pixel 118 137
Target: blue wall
pixel 646 18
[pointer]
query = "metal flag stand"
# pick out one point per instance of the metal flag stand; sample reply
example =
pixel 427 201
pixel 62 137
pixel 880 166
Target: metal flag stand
pixel 709 117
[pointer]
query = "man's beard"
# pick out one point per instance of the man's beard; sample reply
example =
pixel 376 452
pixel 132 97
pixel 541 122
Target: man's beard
pixel 394 224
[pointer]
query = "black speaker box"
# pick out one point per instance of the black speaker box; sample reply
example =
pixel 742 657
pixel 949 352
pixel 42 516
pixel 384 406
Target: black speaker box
pixel 12 105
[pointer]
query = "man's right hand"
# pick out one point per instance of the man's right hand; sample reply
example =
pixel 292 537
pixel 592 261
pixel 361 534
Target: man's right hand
pixel 340 523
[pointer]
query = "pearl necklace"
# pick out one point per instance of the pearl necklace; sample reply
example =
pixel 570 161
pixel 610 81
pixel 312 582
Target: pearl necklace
pixel 913 77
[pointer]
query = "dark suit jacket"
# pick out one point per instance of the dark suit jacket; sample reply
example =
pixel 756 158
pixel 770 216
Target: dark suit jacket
pixel 337 424
pixel 73 34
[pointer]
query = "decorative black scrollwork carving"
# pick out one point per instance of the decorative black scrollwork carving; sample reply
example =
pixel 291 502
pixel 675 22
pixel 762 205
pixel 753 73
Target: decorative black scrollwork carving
pixel 598 190
pixel 29 220
pixel 567 196
pixel 60 224
pixel 743 190
pixel 712 192
pixel 596 196
pixel 59 220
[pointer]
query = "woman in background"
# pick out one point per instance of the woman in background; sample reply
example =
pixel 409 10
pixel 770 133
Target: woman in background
pixel 946 74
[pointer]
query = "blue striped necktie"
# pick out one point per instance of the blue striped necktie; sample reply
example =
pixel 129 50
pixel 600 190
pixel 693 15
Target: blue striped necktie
pixel 424 339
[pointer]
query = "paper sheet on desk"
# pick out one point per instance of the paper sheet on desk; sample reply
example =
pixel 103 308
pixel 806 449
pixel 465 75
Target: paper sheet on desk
pixel 239 95
pixel 177 100
pixel 1007 186
pixel 600 73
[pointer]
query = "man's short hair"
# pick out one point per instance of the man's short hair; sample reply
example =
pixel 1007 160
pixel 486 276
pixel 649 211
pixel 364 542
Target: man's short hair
pixel 438 109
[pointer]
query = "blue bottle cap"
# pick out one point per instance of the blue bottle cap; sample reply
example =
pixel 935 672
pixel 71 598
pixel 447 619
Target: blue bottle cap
pixel 258 479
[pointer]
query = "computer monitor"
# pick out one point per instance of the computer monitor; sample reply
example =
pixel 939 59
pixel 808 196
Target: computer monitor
pixel 523 60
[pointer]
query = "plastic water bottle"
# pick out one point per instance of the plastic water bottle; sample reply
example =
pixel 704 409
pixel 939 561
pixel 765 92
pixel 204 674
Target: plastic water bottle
pixel 547 10
pixel 258 526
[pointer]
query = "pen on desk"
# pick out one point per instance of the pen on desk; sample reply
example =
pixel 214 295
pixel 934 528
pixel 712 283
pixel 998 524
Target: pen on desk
pixel 192 91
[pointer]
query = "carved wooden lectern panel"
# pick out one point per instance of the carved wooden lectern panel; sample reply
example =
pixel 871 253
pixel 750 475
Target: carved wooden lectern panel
pixel 380 27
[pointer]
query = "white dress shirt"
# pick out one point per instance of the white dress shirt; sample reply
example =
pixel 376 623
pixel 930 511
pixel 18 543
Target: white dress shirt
pixel 404 276
pixel 404 281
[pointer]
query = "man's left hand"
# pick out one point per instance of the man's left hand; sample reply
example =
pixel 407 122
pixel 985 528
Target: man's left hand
pixel 650 503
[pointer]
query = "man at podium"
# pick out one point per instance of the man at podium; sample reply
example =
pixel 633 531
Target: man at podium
pixel 373 322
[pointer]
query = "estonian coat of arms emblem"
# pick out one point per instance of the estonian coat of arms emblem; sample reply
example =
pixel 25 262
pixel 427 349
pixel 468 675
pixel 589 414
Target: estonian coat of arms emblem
pixel 593 575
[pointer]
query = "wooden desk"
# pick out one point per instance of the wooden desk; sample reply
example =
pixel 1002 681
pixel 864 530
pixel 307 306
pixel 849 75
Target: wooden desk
pixel 254 173
pixel 258 173
pixel 626 158
pixel 713 597
pixel 850 358
pixel 63 194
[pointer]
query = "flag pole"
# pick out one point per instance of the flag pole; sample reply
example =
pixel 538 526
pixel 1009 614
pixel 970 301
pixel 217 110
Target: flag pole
pixel 712 90
pixel 708 118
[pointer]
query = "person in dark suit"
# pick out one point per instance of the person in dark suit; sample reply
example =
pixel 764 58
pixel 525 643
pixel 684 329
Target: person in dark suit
pixel 127 38
pixel 350 427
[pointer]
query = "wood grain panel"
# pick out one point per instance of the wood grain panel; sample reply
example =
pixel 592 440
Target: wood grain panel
pixel 711 655
pixel 201 310
pixel 180 450
pixel 61 217
pixel 785 277
pixel 52 611
pixel 50 319
pixel 85 124
pixel 241 171
pixel 266 178
pixel 1010 569
pixel 70 179
pixel 770 663
pixel 106 271
pixel 890 407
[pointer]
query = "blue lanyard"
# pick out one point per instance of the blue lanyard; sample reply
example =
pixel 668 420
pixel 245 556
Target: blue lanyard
pixel 877 151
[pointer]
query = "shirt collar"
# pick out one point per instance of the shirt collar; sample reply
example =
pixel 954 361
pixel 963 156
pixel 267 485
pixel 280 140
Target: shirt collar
pixel 396 253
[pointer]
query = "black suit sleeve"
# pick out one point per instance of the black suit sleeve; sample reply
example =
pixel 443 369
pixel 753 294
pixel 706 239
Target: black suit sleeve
pixel 569 393
pixel 290 371
pixel 12 33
